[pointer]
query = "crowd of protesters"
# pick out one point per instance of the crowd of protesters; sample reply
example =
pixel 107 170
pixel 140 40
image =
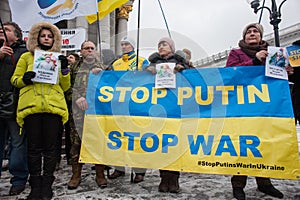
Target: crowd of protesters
pixel 41 112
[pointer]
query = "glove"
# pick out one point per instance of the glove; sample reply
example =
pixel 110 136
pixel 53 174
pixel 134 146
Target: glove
pixel 27 77
pixel 63 61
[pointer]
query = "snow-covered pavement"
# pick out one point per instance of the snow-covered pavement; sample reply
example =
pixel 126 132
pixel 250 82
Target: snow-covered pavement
pixel 193 186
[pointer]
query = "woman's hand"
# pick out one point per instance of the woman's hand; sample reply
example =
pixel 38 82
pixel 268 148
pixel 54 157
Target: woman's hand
pixel 261 55
pixel 178 68
pixel 151 69
pixel 81 103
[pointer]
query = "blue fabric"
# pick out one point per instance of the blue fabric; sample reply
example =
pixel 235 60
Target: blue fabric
pixel 254 76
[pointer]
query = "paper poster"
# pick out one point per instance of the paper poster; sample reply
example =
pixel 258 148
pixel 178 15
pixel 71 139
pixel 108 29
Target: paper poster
pixel 276 62
pixel 46 66
pixel 71 38
pixel 165 77
pixel 293 53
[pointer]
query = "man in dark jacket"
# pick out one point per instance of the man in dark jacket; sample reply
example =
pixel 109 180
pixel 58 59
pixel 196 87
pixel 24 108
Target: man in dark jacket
pixel 11 49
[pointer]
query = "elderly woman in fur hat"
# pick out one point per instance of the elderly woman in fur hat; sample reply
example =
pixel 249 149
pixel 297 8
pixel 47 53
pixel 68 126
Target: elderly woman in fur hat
pixel 42 109
pixel 252 51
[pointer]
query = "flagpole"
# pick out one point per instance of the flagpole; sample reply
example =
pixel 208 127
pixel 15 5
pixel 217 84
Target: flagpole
pixel 162 11
pixel 99 37
pixel 138 36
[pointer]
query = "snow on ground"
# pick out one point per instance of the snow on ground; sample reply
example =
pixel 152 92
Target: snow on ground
pixel 193 186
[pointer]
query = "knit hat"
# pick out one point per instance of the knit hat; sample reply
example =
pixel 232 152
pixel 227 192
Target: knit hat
pixel 169 41
pixel 129 40
pixel 258 26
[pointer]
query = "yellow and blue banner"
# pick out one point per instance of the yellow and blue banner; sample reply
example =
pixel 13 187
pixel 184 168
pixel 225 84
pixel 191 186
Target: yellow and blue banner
pixel 104 8
pixel 293 53
pixel 221 121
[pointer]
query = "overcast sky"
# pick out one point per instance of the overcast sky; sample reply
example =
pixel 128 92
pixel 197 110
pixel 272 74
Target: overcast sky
pixel 209 26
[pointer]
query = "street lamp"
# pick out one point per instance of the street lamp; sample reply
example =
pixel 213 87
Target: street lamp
pixel 275 15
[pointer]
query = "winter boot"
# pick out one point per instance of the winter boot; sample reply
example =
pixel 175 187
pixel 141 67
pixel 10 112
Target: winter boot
pixel 100 177
pixel 265 186
pixel 239 193
pixel 35 183
pixel 164 182
pixel 238 183
pixel 173 182
pixel 139 177
pixel 116 174
pixel 47 192
pixel 76 176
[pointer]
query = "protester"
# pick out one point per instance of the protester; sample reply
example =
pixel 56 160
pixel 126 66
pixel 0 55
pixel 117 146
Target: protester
pixel 73 59
pixel 188 58
pixel 42 109
pixel 128 61
pixel 166 54
pixel 295 79
pixel 79 79
pixel 252 51
pixel 129 58
pixel 10 52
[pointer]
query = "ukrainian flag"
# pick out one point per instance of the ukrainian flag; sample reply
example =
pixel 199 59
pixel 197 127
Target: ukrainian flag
pixel 104 8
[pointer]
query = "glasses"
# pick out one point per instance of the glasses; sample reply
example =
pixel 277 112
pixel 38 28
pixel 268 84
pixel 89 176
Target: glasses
pixel 87 48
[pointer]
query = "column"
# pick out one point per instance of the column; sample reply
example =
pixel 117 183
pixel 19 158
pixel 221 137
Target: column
pixel 122 18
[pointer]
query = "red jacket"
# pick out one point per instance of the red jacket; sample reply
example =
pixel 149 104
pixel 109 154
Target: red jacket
pixel 238 58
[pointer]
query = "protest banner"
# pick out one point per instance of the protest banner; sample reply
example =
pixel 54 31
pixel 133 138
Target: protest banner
pixel 218 121
pixel 26 13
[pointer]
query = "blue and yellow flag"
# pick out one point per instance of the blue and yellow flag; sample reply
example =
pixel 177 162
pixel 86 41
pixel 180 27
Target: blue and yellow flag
pixel 221 121
pixel 104 8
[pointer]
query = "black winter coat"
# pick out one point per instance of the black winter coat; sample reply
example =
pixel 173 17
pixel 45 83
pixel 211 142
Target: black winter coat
pixel 177 58
pixel 7 68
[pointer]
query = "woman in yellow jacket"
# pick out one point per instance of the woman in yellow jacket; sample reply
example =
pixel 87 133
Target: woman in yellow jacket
pixel 42 109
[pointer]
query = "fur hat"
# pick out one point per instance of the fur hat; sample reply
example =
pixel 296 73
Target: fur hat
pixel 32 42
pixel 129 40
pixel 258 26
pixel 169 41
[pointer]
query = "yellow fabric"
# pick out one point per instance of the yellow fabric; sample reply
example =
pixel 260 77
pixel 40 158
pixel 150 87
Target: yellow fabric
pixel 128 63
pixel 104 8
pixel 39 97
pixel 105 140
